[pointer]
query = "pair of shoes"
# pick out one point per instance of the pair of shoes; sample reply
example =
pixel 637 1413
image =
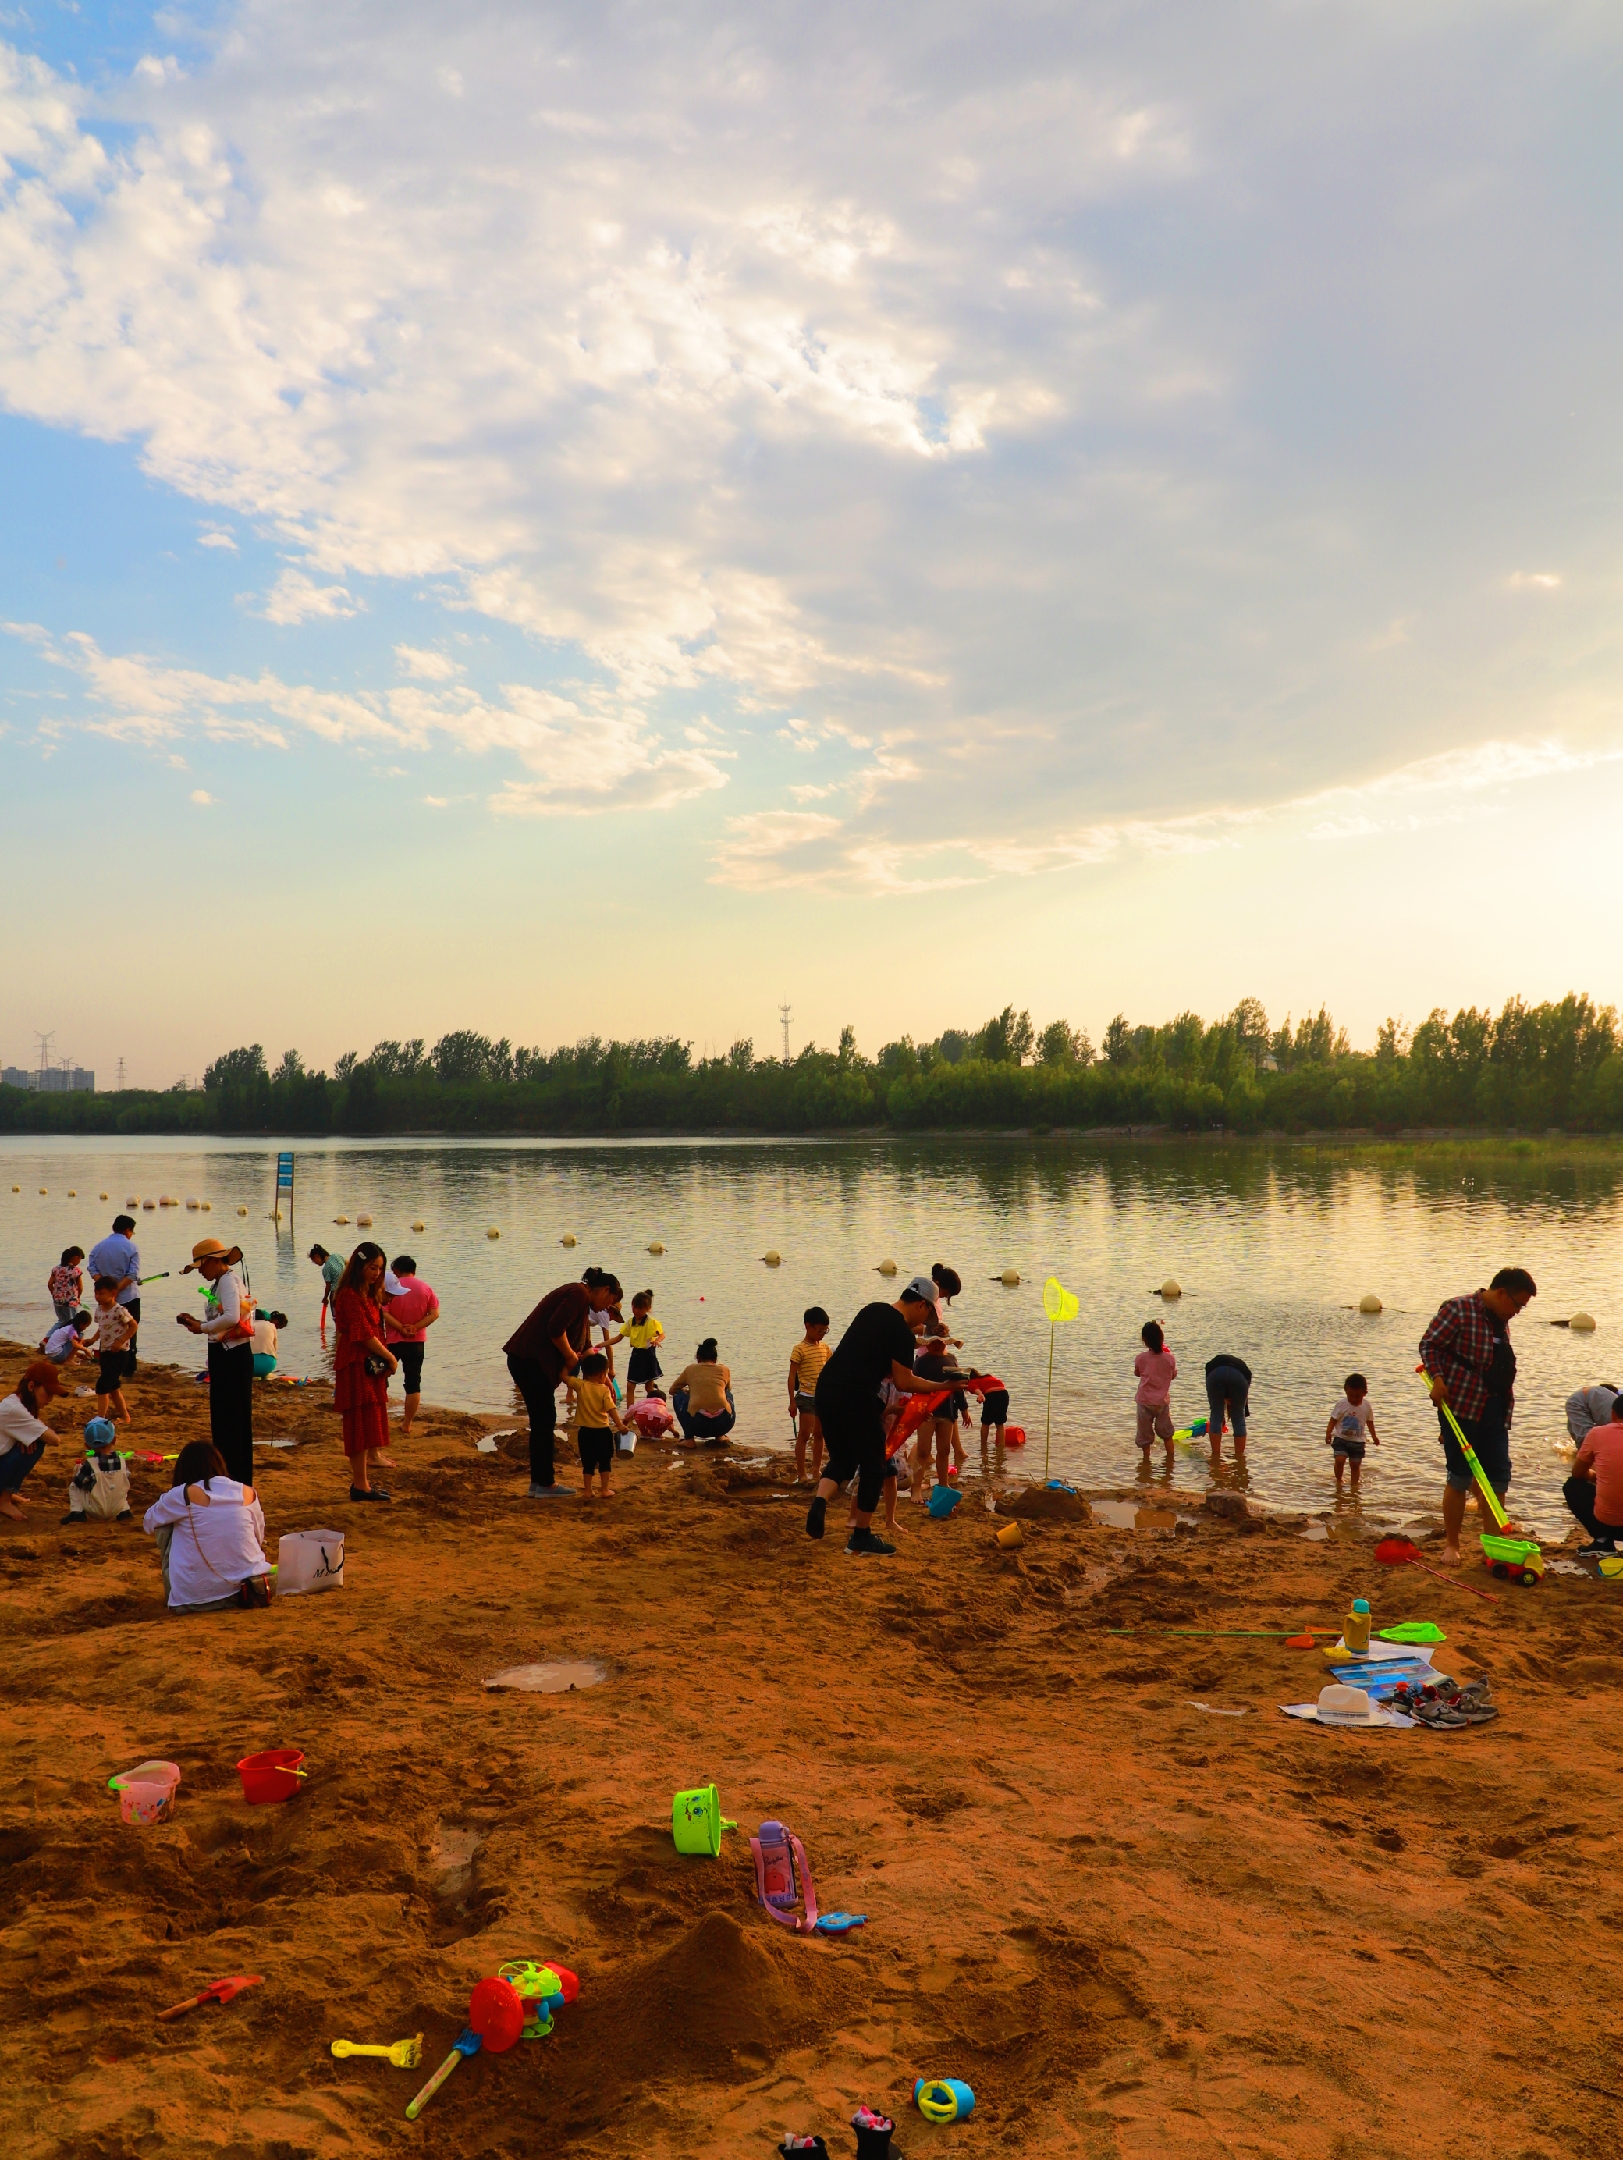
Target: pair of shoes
pixel 865 1541
pixel 373 1492
pixel 1600 1548
pixel 549 1492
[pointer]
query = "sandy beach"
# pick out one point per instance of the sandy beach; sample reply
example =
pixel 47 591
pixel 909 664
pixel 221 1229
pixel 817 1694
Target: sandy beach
pixel 1134 1926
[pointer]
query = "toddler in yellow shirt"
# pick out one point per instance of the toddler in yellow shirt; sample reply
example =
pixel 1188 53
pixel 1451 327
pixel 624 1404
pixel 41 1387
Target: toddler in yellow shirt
pixel 597 1420
pixel 806 1362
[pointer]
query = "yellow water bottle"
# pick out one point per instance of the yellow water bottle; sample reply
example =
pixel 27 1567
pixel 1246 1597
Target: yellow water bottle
pixel 1355 1632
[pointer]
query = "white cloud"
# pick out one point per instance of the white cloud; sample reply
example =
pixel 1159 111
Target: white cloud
pixel 1532 581
pixel 295 598
pixel 431 666
pixel 587 753
pixel 201 795
pixel 216 536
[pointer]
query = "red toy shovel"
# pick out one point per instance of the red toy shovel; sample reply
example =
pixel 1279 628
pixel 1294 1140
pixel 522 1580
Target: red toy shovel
pixel 220 1991
pixel 1397 1552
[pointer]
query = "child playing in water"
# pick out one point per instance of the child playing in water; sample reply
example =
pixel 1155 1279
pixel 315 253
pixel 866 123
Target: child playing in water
pixel 115 1324
pixel 806 1362
pixel 994 1410
pixel 644 1334
pixel 1156 1369
pixel 1351 1419
pixel 597 1420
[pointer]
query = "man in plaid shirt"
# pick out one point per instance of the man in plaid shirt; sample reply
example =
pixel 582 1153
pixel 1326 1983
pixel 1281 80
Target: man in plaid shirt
pixel 1466 1354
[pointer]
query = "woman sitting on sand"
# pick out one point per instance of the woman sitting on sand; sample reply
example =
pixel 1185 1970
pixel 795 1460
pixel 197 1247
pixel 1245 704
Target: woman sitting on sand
pixel 702 1396
pixel 362 1366
pixel 210 1532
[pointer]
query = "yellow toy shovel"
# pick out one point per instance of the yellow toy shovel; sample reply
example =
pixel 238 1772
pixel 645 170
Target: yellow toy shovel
pixel 404 2054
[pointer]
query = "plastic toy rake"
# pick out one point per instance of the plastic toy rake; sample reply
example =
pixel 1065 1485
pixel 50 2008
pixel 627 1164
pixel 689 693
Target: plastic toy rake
pixel 403 2054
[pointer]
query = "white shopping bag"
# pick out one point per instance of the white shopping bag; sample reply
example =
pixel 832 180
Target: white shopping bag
pixel 309 1560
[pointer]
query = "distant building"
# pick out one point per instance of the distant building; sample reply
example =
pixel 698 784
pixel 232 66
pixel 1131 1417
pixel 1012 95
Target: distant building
pixel 55 1080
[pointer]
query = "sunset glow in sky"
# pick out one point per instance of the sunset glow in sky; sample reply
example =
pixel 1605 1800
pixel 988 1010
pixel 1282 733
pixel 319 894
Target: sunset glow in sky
pixel 596 519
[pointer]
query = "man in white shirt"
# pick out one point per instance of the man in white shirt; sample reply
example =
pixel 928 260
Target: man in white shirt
pixel 23 1433
pixel 229 1325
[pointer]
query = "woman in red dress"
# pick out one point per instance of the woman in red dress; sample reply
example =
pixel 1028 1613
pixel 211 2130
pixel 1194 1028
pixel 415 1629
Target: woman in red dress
pixel 361 1397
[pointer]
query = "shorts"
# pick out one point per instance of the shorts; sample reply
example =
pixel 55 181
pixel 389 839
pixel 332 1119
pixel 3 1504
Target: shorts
pixel 644 1365
pixel 596 1444
pixel 410 1355
pixel 264 1364
pixel 1492 1445
pixel 854 1434
pixel 112 1371
pixel 995 1407
pixel 1354 1450
pixel 1153 1418
pixel 806 1405
pixel 1227 1392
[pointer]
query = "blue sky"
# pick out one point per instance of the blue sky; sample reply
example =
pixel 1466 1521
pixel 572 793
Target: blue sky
pixel 596 519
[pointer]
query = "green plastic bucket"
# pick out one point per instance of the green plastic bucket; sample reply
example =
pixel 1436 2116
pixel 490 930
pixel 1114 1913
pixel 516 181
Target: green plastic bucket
pixel 697 1821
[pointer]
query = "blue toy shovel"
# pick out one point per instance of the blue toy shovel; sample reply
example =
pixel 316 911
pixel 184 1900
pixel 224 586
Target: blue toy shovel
pixel 467 2042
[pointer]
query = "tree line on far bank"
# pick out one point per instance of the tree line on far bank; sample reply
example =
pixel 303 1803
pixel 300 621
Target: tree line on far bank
pixel 1529 1068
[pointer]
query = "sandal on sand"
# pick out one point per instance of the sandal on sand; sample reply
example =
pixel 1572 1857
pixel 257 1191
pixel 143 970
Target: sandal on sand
pixel 374 1492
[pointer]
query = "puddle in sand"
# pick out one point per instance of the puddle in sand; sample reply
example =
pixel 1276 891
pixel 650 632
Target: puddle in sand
pixel 1316 1532
pixel 1128 1515
pixel 556 1679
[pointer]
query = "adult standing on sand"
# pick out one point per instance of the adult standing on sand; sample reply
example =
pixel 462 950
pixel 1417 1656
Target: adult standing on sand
pixel 117 1256
pixel 1466 1355
pixel 362 1365
pixel 876 1347
pixel 543 1350
pixel 229 1326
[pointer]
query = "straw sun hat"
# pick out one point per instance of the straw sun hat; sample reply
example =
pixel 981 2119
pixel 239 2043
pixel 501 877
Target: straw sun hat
pixel 210 1248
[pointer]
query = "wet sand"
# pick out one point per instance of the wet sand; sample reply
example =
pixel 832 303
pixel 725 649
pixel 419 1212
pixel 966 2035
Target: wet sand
pixel 1134 1927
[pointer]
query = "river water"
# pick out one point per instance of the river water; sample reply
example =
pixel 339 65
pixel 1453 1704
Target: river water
pixel 1272 1244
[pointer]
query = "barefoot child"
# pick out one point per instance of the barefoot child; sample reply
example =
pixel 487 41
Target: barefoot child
pixel 114 1328
pixel 1156 1369
pixel 644 1334
pixel 598 1419
pixel 994 1411
pixel 806 1362
pixel 1350 1420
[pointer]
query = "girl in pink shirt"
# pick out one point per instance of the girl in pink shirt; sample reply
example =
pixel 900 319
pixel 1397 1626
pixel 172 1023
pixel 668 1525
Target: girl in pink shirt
pixel 1155 1368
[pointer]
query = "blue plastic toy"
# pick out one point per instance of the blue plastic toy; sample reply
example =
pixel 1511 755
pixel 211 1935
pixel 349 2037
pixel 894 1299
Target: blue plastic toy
pixel 943 2099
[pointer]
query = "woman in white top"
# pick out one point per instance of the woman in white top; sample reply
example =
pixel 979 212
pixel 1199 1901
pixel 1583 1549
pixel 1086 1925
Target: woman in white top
pixel 228 1322
pixel 210 1533
pixel 23 1433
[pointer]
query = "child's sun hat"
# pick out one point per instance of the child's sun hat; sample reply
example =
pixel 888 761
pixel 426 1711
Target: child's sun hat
pixel 101 1433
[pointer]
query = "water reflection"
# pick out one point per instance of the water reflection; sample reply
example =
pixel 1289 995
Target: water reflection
pixel 1273 1245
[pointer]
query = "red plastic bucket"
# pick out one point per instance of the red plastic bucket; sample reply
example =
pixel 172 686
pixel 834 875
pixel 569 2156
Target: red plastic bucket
pixel 270 1776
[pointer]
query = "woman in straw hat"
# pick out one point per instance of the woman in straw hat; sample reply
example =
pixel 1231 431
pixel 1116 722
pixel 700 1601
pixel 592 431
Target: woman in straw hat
pixel 362 1366
pixel 228 1322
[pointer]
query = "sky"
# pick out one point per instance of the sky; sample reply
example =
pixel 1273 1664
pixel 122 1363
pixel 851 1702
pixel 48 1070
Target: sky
pixel 564 520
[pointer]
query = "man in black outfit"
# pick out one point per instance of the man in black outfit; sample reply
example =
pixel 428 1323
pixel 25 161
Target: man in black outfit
pixel 876 1347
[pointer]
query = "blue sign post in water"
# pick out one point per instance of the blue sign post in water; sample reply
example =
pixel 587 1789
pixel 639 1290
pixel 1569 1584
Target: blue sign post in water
pixel 284 1184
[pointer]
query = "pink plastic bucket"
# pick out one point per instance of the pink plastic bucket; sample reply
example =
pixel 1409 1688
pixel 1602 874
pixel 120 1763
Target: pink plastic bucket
pixel 271 1775
pixel 146 1793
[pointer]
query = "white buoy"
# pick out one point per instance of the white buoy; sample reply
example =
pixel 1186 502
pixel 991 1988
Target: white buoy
pixel 1584 1322
pixel 493 1233
pixel 191 1201
pixel 772 1259
pixel 146 1203
pixel 1369 1302
pixel 568 1239
pixel 1171 1288
pixel 363 1222
pixel 886 1267
pixel 133 1200
pixel 419 1226
pixel 1010 1278
pixel 656 1248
